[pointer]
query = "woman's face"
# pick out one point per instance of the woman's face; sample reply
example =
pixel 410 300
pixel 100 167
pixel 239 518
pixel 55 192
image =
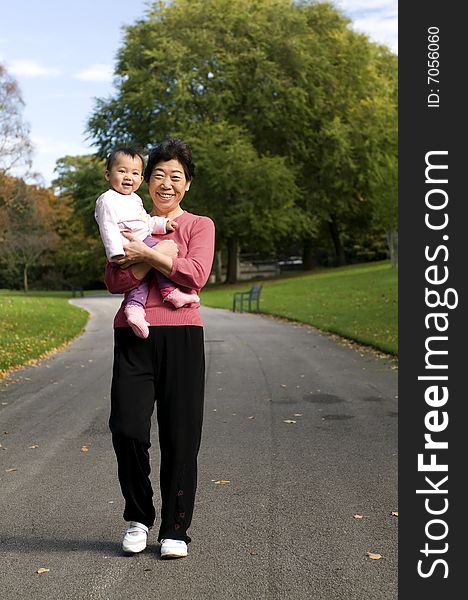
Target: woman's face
pixel 167 186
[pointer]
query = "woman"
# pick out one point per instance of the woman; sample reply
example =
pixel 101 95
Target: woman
pixel 167 367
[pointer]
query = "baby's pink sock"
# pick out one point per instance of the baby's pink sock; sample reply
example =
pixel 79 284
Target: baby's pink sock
pixel 136 319
pixel 179 298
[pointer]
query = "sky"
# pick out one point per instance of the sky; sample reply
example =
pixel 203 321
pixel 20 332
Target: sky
pixel 62 54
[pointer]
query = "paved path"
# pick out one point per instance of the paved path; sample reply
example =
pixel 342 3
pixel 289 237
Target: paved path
pixel 283 528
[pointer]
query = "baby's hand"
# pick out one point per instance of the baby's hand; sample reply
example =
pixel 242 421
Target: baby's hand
pixel 171 226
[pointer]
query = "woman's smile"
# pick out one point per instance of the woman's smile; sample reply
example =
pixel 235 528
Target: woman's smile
pixel 167 186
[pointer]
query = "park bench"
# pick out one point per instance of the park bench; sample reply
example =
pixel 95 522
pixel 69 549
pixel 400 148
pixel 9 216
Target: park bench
pixel 251 297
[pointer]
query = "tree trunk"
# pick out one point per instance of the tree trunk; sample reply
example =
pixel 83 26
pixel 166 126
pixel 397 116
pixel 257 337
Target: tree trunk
pixel 339 249
pixel 25 279
pixel 232 260
pixel 308 258
pixel 218 266
pixel 392 243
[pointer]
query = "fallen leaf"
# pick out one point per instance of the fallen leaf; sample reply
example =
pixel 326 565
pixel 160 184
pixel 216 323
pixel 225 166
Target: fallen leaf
pixel 221 481
pixel 42 570
pixel 10 470
pixel 374 555
pixel 84 449
pixel 394 513
pixel 289 421
pixel 358 516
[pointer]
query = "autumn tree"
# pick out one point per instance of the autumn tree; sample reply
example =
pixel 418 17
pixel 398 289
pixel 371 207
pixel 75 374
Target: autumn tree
pixel 27 238
pixel 23 240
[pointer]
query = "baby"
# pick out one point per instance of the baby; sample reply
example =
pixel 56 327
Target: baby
pixel 121 210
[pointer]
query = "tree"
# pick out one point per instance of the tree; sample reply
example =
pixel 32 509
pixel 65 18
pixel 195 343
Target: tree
pixel 340 160
pixel 292 76
pixel 384 170
pixel 250 197
pixel 79 182
pixel 15 145
pixel 28 237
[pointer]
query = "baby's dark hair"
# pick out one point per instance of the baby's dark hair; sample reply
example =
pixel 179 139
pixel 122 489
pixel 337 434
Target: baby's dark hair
pixel 169 149
pixel 128 152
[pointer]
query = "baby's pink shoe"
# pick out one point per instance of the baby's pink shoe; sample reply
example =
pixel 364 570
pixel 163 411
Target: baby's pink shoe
pixel 179 298
pixel 136 319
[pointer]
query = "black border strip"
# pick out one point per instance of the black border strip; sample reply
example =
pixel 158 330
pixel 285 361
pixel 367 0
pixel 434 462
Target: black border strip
pixel 432 131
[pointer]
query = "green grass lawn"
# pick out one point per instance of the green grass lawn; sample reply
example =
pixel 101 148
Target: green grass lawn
pixel 356 302
pixel 32 325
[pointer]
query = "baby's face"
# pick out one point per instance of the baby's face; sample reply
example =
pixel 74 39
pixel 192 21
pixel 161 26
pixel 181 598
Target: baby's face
pixel 126 174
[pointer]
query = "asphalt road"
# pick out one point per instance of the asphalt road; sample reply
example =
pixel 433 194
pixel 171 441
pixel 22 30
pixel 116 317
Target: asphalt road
pixel 284 525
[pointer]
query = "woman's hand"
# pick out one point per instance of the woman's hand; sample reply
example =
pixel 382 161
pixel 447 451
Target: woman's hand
pixel 137 251
pixel 168 247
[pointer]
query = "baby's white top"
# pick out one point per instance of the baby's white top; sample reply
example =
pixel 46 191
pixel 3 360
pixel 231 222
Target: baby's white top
pixel 116 213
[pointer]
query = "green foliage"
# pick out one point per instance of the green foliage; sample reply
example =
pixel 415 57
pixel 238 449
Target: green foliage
pixel 357 302
pixel 295 82
pixel 80 258
pixel 246 194
pixel 81 179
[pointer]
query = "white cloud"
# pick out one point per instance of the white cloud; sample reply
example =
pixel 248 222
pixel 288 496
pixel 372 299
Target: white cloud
pixel 383 31
pixel 52 146
pixel 49 149
pixel 376 18
pixel 97 72
pixel 31 68
pixel 367 5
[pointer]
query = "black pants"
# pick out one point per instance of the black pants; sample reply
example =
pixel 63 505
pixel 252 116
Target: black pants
pixel 167 368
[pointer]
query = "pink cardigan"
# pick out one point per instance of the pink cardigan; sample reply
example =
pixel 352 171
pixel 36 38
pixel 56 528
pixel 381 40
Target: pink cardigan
pixel 190 271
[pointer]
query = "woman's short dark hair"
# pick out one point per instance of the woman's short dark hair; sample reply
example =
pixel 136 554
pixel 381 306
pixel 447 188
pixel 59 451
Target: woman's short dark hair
pixel 169 149
pixel 127 152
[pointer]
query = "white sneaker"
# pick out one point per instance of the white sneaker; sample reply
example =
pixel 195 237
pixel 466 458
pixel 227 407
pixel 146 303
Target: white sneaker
pixel 135 537
pixel 173 548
